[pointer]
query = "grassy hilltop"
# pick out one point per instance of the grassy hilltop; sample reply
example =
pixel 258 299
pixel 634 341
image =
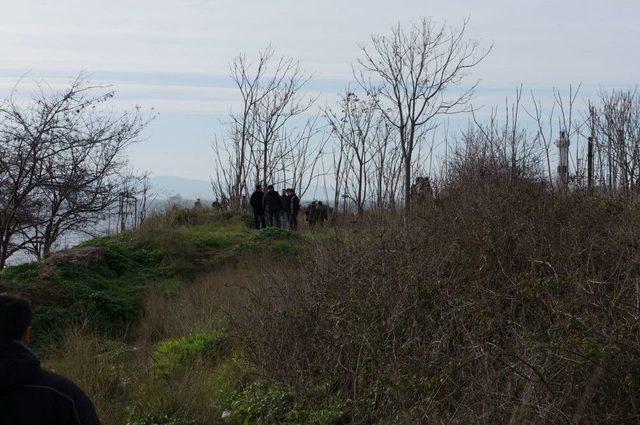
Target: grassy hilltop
pixel 106 281
pixel 492 305
pixel 97 306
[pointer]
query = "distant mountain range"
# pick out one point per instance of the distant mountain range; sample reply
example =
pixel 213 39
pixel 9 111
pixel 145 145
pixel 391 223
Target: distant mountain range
pixel 169 186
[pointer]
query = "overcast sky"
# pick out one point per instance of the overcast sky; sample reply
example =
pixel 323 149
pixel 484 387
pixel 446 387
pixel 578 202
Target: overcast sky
pixel 174 55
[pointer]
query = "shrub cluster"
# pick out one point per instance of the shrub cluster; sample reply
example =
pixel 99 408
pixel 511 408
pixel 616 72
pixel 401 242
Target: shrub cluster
pixel 499 303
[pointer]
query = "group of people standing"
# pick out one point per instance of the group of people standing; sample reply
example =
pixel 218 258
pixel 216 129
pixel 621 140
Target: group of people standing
pixel 317 213
pixel 274 210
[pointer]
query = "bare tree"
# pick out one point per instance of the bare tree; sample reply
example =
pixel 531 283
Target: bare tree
pixel 544 127
pixel 227 165
pixel 386 167
pixel 20 175
pixel 261 135
pixel 146 196
pixel 83 182
pixel 411 71
pixel 305 155
pixel 358 130
pixel 508 143
pixel 280 103
pixel 561 116
pixel 60 158
pixel 131 200
pixel 339 154
pixel 249 79
pixel 27 139
pixel 615 127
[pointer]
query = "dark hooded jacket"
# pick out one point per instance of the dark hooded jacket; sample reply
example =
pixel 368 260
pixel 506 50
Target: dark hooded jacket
pixel 272 201
pixel 32 396
pixel 285 203
pixel 295 203
pixel 256 201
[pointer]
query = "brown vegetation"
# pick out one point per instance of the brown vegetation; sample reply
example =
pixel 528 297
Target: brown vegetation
pixel 499 303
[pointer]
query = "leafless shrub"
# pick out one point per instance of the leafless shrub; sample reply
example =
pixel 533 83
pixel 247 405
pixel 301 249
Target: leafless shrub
pixel 504 303
pixel 615 128
pixel 410 72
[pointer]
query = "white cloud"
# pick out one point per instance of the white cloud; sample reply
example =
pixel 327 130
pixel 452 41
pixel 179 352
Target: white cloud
pixel 174 55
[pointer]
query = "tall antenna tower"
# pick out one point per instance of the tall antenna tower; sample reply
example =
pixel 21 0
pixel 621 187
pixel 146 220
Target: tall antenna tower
pixel 563 159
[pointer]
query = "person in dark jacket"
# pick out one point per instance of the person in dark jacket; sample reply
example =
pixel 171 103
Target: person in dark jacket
pixel 322 213
pixel 256 202
pixel 312 214
pixel 30 395
pixel 285 208
pixel 272 207
pixel 295 209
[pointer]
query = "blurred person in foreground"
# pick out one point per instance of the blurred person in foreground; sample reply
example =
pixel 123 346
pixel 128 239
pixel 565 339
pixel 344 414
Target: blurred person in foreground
pixel 29 395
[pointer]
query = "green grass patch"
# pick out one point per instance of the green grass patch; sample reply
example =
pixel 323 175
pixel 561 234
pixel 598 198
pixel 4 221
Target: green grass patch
pixel 273 403
pixel 105 281
pixel 175 355
pixel 273 241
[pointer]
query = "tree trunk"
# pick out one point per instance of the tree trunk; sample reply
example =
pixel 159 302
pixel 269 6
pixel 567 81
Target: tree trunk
pixel 264 165
pixel 46 250
pixel 407 186
pixel 3 254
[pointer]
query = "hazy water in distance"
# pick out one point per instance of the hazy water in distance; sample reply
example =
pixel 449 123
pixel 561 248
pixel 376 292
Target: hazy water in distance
pixel 104 228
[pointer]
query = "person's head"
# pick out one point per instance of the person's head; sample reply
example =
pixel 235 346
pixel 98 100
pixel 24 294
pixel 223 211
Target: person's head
pixel 15 318
pixel 319 203
pixel 284 192
pixel 270 187
pixel 258 188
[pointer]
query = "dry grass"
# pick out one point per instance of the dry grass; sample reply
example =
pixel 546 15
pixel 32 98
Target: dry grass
pixel 501 304
pixel 121 378
pixel 100 371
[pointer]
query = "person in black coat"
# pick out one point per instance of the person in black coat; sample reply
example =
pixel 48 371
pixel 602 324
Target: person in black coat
pixel 272 207
pixel 312 214
pixel 28 394
pixel 322 213
pixel 257 204
pixel 285 208
pixel 295 209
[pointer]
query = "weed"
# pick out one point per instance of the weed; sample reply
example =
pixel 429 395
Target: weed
pixel 174 355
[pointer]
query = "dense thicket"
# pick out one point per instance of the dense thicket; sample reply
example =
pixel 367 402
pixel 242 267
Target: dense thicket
pixel 501 302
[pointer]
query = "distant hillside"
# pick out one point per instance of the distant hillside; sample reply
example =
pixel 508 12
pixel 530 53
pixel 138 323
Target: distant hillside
pixel 168 186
